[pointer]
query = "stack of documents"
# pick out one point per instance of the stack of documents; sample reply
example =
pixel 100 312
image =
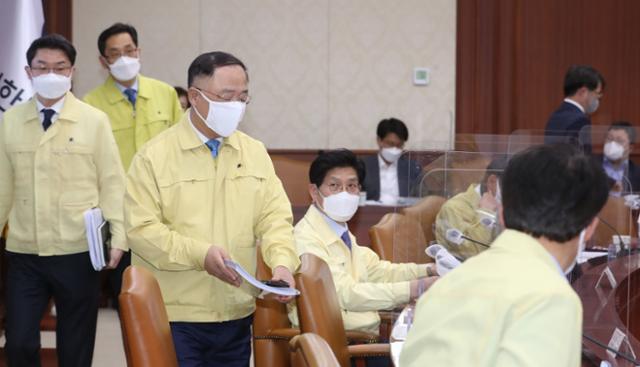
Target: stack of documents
pixel 98 237
pixel 266 289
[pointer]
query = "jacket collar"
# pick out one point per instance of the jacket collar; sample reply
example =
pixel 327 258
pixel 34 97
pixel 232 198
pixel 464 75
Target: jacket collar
pixel 189 139
pixel 524 245
pixel 114 95
pixel 317 221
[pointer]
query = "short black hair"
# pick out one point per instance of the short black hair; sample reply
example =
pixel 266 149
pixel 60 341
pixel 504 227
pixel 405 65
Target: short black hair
pixel 117 28
pixel 180 91
pixel 552 191
pixel 627 127
pixel 328 160
pixel 52 41
pixel 496 168
pixel 579 76
pixel 392 125
pixel 207 63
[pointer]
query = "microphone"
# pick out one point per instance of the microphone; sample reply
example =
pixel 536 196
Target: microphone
pixel 455 236
pixel 615 231
pixel 602 345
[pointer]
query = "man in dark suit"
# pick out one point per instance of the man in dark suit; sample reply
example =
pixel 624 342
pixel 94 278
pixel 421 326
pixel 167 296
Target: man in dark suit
pixel 623 173
pixel 389 175
pixel 570 123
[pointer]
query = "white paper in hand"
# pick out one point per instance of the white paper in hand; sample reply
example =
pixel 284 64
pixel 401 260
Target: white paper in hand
pixel 445 262
pixel 287 292
pixel 93 222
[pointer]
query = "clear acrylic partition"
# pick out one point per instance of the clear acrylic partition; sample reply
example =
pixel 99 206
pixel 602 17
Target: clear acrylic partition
pixel 450 174
pixel 608 283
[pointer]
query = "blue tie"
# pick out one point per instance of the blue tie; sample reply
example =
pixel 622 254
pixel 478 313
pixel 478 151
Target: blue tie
pixel 346 239
pixel 213 145
pixel 131 95
pixel 48 114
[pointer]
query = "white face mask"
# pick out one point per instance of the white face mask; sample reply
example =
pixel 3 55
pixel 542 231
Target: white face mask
pixel 223 117
pixel 593 106
pixel 340 207
pixel 125 68
pixel 581 245
pixel 51 85
pixel 613 150
pixel 391 154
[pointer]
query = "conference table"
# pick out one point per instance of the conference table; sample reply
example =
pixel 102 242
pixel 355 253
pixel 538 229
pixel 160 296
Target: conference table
pixel 610 308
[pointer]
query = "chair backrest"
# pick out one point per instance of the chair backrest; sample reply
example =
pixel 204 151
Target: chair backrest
pixel 318 307
pixel 269 315
pixel 294 176
pixel 145 325
pixel 618 215
pixel 399 238
pixel 425 212
pixel 310 350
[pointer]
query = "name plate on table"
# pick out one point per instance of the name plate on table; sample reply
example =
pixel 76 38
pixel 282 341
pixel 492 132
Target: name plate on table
pixel 619 339
pixel 608 274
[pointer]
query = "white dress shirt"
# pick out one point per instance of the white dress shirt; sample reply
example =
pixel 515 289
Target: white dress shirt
pixel 57 107
pixel 389 187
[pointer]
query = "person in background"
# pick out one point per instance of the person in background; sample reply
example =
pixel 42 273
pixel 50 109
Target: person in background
pixel 512 305
pixel 183 97
pixel 202 193
pixel 474 213
pixel 622 172
pixel 58 158
pixel 138 107
pixel 570 123
pixel 389 175
pixel 364 283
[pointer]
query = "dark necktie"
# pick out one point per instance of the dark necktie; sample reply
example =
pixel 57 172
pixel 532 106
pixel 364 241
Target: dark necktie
pixel 213 145
pixel 132 94
pixel 346 239
pixel 48 114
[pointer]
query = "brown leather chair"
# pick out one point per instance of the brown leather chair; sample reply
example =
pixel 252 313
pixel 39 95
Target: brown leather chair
pixel 145 325
pixel 399 238
pixel 319 312
pixel 618 216
pixel 271 327
pixel 425 212
pixel 310 350
pixel 294 176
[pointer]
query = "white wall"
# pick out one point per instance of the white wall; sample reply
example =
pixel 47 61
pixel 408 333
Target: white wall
pixel 323 72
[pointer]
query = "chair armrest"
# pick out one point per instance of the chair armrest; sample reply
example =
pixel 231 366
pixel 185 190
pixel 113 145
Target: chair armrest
pixel 369 350
pixel 361 337
pixel 279 334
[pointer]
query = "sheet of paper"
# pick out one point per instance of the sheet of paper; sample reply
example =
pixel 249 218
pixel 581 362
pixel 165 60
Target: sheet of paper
pixel 289 292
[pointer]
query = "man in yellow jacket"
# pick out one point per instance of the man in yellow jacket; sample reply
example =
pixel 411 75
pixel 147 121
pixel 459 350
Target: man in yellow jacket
pixel 58 158
pixel 472 214
pixel 512 305
pixel 201 193
pixel 364 283
pixel 138 107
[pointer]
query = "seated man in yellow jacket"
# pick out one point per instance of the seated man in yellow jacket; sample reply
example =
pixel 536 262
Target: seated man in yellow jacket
pixel 473 214
pixel 512 305
pixel 138 107
pixel 364 283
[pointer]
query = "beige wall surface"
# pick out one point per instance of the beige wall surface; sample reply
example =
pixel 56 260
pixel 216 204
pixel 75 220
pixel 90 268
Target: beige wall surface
pixel 323 72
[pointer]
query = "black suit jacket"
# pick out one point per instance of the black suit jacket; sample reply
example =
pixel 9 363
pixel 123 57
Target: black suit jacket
pixel 566 125
pixel 632 176
pixel 408 176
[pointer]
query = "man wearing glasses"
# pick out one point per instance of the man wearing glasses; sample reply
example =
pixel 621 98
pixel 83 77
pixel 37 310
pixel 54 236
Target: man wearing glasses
pixel 202 193
pixel 58 158
pixel 364 283
pixel 138 107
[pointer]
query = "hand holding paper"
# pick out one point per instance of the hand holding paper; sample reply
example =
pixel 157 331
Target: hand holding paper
pixel 214 264
pixel 286 292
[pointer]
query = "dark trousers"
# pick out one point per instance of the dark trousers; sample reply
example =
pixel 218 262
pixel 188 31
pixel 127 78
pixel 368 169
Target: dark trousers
pixel 31 281
pixel 213 344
